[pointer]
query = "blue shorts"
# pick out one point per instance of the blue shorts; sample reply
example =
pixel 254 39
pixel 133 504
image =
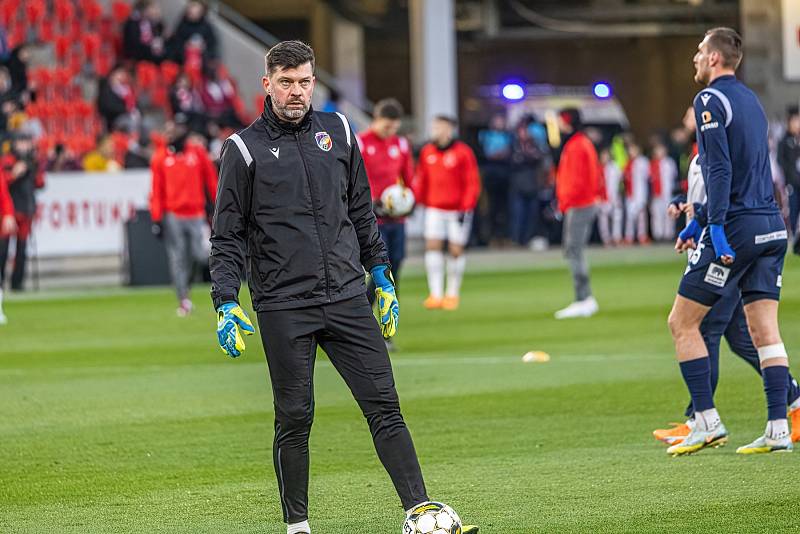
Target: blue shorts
pixel 759 242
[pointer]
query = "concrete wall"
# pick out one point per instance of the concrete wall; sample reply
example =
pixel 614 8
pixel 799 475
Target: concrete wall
pixel 763 56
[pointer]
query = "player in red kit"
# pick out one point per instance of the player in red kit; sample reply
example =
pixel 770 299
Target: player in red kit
pixel 387 159
pixel 8 223
pixel 447 183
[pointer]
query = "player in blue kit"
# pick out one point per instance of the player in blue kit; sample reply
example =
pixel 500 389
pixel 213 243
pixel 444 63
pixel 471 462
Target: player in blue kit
pixel 743 245
pixel 725 319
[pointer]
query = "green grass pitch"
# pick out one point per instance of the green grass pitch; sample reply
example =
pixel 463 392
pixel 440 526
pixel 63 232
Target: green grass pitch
pixel 116 416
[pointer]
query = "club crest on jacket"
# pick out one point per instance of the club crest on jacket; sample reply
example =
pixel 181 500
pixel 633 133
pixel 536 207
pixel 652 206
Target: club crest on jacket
pixel 324 141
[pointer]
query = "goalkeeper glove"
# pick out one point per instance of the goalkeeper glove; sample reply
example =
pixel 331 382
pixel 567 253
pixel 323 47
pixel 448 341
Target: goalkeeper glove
pixel 693 230
pixel 720 242
pixel 231 323
pixel 388 307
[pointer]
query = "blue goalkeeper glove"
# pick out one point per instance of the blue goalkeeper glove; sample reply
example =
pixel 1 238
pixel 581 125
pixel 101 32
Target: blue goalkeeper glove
pixel 721 247
pixel 232 322
pixel 388 307
pixel 693 230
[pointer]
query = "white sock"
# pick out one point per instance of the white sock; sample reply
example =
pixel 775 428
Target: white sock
pixel 777 429
pixel 455 273
pixel 434 265
pixel 707 419
pixel 295 528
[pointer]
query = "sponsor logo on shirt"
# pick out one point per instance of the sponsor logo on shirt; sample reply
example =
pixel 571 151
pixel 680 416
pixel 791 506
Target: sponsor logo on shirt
pixel 709 126
pixel 717 275
pixel 706 115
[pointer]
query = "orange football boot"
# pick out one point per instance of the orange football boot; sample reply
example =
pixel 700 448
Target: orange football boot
pixel 794 417
pixel 433 303
pixel 674 435
pixel 450 303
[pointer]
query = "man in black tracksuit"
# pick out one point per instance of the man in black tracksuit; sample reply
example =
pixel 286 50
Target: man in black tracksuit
pixel 294 203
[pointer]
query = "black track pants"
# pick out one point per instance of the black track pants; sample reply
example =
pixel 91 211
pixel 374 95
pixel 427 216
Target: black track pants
pixel 349 334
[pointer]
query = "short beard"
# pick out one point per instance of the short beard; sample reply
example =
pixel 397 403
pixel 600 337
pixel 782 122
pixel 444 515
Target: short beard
pixel 290 114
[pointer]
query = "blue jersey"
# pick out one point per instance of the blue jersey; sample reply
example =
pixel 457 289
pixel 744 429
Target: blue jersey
pixel 732 140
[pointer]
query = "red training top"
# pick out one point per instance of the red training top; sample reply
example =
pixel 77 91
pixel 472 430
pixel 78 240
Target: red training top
pixel 447 178
pixel 387 162
pixel 182 182
pixel 578 180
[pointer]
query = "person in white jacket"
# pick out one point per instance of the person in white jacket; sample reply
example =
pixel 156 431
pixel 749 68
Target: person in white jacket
pixel 610 221
pixel 636 182
pixel 663 174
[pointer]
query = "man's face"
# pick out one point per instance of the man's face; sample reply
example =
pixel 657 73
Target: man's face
pixel 291 91
pixel 385 128
pixel 441 131
pixel 704 60
pixel 794 125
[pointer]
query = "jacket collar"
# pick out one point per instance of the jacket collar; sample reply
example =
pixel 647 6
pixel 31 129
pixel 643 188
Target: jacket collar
pixel 723 78
pixel 277 127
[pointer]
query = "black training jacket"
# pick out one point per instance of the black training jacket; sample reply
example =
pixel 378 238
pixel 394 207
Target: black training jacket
pixel 294 202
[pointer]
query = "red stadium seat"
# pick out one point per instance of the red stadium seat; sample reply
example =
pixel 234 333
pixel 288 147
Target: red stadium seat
pixel 146 74
pixel 65 12
pixel 170 71
pixel 63 44
pixel 120 11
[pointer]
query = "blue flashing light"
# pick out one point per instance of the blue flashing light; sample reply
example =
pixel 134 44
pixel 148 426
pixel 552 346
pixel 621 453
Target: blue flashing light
pixel 513 91
pixel 601 90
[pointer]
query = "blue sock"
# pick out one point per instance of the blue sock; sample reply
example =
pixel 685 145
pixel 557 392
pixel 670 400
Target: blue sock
pixel 776 384
pixel 794 390
pixel 697 375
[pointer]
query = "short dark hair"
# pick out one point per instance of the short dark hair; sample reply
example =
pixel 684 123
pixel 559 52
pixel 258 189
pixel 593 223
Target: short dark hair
pixel 729 45
pixel 572 116
pixel 446 118
pixel 288 55
pixel 388 108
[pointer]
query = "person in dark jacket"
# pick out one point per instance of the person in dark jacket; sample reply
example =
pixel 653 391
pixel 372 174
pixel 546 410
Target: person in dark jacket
pixel 789 161
pixel 116 98
pixel 142 33
pixel 21 169
pixel 294 200
pixel 194 26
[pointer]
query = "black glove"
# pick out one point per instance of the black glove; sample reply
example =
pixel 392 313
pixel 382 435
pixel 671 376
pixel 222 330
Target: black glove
pixel 158 230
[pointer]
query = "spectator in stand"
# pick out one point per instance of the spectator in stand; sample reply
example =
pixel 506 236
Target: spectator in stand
pixel 185 98
pixel 142 34
pixel 62 159
pixel 496 144
pixel 637 173
pixel 527 165
pixel 8 225
pixel 578 188
pixel 21 172
pixel 218 96
pixel 789 162
pixel 609 222
pixel 663 178
pixel 101 158
pixel 184 185
pixel 116 98
pixel 8 98
pixel 195 28
pixel 17 65
pixel 140 152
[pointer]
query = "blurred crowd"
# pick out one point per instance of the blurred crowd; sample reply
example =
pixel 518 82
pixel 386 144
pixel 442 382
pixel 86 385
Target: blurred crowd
pixel 519 164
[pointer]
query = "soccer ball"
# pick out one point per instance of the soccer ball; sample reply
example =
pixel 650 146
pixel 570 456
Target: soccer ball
pixel 397 200
pixel 432 518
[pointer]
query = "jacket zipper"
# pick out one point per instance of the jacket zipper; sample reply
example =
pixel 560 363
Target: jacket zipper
pixel 316 216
